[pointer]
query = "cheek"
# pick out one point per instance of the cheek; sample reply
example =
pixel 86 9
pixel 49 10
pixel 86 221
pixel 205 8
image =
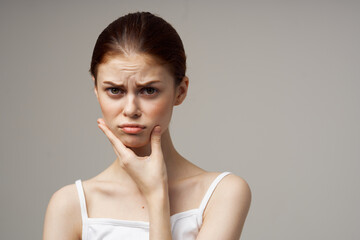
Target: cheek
pixel 161 112
pixel 109 108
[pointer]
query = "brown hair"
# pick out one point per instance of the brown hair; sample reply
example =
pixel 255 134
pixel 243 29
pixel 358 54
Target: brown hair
pixel 141 33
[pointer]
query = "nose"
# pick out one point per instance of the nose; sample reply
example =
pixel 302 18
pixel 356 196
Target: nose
pixel 131 108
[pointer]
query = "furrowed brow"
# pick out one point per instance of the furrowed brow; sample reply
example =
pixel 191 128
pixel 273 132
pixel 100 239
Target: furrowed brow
pixel 137 84
pixel 147 83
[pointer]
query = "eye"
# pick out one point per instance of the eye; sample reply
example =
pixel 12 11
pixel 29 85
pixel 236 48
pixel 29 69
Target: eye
pixel 149 90
pixel 114 91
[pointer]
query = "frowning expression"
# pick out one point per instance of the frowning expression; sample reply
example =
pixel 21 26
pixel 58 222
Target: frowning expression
pixel 135 90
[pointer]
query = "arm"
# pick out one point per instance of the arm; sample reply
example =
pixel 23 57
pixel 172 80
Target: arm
pixel 159 214
pixel 62 215
pixel 150 175
pixel 226 211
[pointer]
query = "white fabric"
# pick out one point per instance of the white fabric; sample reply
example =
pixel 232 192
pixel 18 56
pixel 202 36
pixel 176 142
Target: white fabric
pixel 184 225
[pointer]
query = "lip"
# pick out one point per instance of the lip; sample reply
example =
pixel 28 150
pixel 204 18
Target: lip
pixel 132 128
pixel 131 125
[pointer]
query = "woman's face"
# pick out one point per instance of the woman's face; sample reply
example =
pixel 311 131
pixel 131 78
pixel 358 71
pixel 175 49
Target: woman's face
pixel 135 90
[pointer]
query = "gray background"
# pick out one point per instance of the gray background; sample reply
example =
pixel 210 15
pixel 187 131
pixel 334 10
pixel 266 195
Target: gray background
pixel 274 97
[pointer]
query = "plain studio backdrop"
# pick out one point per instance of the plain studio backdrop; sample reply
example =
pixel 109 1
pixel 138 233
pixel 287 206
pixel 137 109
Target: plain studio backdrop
pixel 273 97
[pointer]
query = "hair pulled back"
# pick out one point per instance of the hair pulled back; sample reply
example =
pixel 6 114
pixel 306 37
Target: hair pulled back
pixel 141 33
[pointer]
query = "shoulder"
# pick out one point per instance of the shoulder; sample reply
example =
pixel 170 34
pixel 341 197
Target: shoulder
pixel 232 190
pixel 63 214
pixel 236 187
pixel 232 182
pixel 226 211
pixel 66 198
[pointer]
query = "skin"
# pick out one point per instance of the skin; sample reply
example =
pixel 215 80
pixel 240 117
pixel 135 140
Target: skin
pixel 132 104
pixel 149 178
pixel 152 108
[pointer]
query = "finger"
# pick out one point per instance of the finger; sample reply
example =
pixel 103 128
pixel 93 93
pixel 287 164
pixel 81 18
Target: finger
pixel 119 146
pixel 156 141
pixel 118 157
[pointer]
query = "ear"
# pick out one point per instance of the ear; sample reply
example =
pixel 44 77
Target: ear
pixel 181 91
pixel 95 88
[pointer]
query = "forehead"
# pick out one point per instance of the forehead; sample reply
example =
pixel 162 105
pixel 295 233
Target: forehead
pixel 137 67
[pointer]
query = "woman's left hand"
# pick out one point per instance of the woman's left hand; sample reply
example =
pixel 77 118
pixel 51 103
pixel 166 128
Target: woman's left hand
pixel 148 172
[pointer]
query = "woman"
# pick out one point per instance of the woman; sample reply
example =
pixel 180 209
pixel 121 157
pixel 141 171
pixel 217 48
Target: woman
pixel 150 191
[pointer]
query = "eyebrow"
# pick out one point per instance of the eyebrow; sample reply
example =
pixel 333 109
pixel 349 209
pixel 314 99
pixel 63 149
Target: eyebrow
pixel 137 84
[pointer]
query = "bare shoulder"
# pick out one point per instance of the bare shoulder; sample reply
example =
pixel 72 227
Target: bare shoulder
pixel 232 190
pixel 63 215
pixel 66 198
pixel 231 184
pixel 235 186
pixel 227 209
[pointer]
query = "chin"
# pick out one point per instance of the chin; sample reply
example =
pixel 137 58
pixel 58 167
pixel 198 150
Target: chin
pixel 134 143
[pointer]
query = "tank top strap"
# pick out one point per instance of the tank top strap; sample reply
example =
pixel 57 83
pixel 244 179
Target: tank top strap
pixel 210 191
pixel 81 195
